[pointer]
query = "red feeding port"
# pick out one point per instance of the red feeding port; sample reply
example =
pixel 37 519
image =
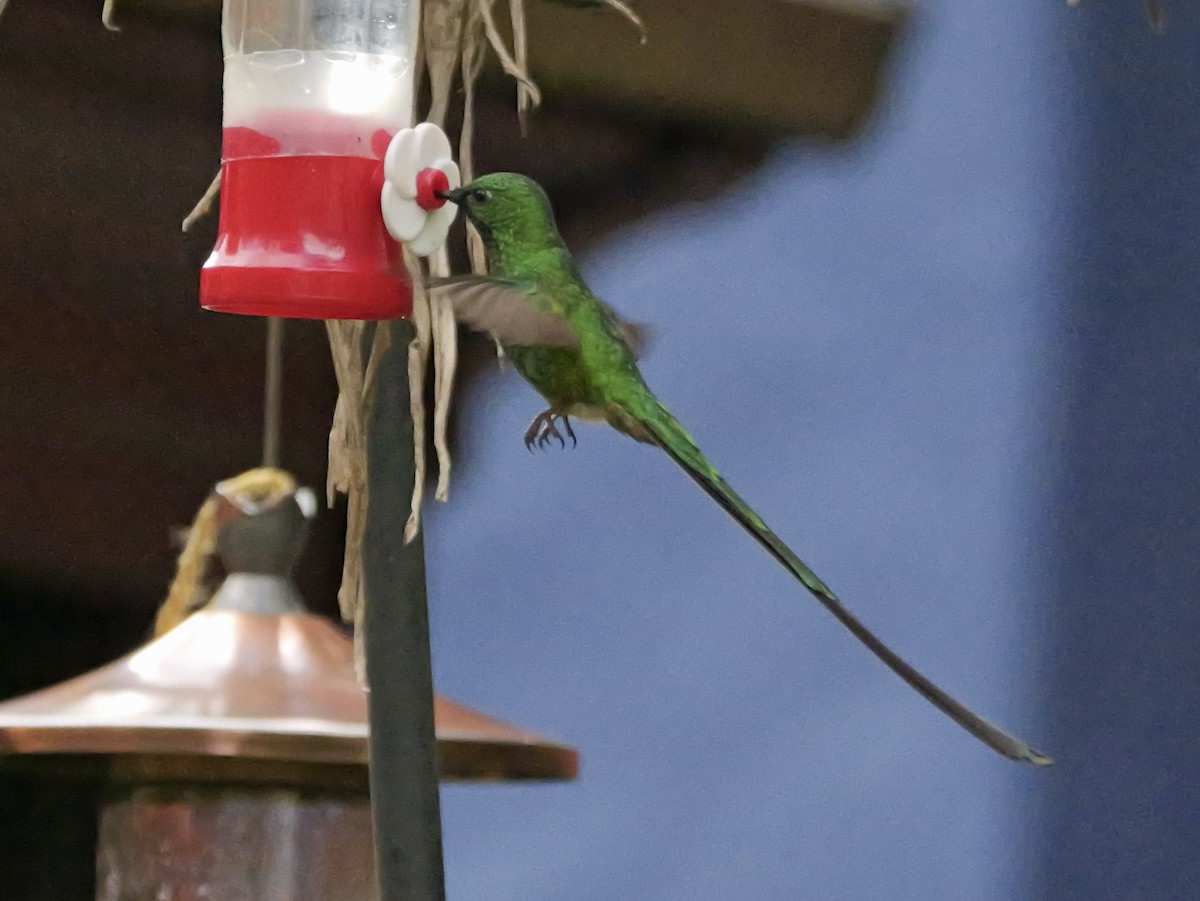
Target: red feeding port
pixel 431 184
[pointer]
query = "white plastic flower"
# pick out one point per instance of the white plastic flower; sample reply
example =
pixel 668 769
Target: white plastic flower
pixel 417 169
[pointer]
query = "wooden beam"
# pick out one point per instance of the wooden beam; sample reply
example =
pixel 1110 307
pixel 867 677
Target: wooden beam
pixel 770 65
pixel 777 66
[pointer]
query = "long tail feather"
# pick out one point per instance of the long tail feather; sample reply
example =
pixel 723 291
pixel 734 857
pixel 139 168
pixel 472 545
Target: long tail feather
pixel 672 438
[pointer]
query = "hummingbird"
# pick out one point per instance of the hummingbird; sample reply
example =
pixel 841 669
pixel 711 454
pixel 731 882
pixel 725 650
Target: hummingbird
pixel 582 358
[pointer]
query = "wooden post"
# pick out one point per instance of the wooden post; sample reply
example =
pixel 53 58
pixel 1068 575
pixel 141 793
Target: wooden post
pixel 404 769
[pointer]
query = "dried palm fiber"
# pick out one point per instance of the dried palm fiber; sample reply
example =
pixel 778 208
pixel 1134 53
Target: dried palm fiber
pixel 433 320
pixel 356 374
pixel 617 6
pixel 205 204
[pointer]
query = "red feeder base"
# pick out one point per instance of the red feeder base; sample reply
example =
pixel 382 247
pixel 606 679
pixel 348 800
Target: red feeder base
pixel 303 237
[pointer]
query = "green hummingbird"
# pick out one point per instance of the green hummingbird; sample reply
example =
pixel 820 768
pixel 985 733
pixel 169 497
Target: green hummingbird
pixel 574 349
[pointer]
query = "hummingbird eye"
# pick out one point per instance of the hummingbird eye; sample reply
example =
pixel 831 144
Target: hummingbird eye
pixel 481 196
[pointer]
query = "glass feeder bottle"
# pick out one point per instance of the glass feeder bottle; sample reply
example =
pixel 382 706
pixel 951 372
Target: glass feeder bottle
pixel 314 91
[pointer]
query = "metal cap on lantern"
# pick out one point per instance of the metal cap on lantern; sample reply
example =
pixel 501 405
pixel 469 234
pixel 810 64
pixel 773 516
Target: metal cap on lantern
pixel 314 93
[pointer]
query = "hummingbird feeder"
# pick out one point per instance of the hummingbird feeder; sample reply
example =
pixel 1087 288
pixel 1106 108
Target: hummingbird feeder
pixel 315 92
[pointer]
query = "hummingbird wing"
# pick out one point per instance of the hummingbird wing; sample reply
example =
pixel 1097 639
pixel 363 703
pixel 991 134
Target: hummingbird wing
pixel 512 312
pixel 505 308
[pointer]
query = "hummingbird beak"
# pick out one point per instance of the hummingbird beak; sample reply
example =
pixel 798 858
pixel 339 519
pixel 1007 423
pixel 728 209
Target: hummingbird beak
pixel 454 195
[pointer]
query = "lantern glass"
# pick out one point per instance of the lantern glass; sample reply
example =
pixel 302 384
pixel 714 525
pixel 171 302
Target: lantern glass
pixel 316 77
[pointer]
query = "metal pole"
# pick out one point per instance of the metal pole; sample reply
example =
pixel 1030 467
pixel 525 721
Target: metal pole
pixel 273 392
pixel 404 771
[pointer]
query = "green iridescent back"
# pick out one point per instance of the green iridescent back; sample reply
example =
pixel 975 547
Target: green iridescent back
pixel 518 229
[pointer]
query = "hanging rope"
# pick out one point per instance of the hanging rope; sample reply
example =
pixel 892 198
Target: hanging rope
pixel 273 392
pixel 205 204
pixel 191 589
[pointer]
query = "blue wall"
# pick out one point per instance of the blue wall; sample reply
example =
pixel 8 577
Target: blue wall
pixel 1123 813
pixel 953 366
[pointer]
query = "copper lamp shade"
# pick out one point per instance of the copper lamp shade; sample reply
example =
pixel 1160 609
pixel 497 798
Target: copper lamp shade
pixel 234 748
pixel 252 682
pixel 227 690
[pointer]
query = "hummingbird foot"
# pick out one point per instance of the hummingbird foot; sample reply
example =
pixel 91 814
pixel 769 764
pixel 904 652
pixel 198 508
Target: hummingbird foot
pixel 543 430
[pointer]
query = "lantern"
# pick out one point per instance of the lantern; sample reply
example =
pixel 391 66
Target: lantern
pixel 314 93
pixel 233 749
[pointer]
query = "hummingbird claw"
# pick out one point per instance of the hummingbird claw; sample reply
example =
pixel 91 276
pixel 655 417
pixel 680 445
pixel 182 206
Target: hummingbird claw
pixel 543 430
